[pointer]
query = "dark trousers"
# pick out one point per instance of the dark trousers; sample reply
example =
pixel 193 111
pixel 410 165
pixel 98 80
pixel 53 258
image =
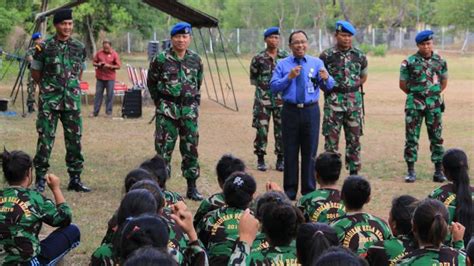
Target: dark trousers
pixel 300 130
pixel 99 94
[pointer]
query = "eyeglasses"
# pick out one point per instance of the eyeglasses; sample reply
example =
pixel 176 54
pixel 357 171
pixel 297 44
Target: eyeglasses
pixel 299 42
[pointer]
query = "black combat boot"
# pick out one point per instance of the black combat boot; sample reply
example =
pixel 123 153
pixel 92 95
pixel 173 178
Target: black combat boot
pixel 31 108
pixel 438 175
pixel 193 193
pixel 75 184
pixel 411 176
pixel 280 165
pixel 261 163
pixel 40 184
pixel 353 172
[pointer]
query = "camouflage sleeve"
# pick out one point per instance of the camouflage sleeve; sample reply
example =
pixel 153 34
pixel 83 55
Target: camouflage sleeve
pixel 201 229
pixel 435 193
pixel 57 216
pixel 201 211
pixel 444 70
pixel 404 74
pixel 200 74
pixel 240 255
pixel 154 73
pixel 103 256
pixel 364 66
pixel 196 255
pixel 323 57
pixel 253 71
pixel 459 245
pixel 302 205
pixel 38 58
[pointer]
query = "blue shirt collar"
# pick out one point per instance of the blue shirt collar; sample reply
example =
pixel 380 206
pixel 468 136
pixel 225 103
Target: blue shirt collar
pixel 293 58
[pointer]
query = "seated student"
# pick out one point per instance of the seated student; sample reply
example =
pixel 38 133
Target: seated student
pixel 158 168
pixel 324 204
pixel 358 230
pixel 339 256
pixel 458 194
pixel 227 165
pixel 389 251
pixel 280 224
pixel 219 228
pixel 312 240
pixel 149 256
pixel 470 252
pixel 23 211
pixel 430 227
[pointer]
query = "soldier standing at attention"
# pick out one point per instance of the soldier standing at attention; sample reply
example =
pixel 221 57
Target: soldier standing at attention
pixel 30 100
pixel 266 103
pixel 57 68
pixel 423 77
pixel 174 81
pixel 343 105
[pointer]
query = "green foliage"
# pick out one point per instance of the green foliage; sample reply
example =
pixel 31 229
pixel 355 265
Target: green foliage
pixel 455 12
pixel 366 48
pixel 7 21
pixel 380 50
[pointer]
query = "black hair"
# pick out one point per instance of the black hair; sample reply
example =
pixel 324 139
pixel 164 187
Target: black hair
pixel 280 222
pixel 149 256
pixel 158 167
pixel 328 167
pixel 295 32
pixel 355 192
pixel 470 250
pixel 227 165
pixel 142 231
pixel 136 175
pixel 430 222
pixel 15 165
pixel 402 213
pixel 239 189
pixel 456 168
pixel 153 187
pixel 268 197
pixel 136 202
pixel 339 256
pixel 312 240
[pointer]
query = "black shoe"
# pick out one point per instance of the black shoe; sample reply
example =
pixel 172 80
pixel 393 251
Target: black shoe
pixel 31 109
pixel 193 194
pixel 261 163
pixel 438 175
pixel 40 184
pixel 353 172
pixel 411 176
pixel 75 184
pixel 280 165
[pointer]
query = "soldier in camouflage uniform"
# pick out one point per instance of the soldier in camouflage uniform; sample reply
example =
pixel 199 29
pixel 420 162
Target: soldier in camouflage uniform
pixel 174 81
pixel 57 68
pixel 343 104
pixel 423 77
pixel 434 256
pixel 30 100
pixel 266 103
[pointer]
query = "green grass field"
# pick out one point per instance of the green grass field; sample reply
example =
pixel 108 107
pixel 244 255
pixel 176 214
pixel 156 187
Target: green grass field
pixel 112 147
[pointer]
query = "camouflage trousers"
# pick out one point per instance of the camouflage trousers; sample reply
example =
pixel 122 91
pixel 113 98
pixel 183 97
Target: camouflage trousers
pixel 30 100
pixel 261 120
pixel 166 134
pixel 46 125
pixel 352 123
pixel 434 126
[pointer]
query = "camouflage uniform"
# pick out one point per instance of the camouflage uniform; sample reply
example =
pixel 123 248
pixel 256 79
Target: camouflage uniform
pixel 174 85
pixel 207 205
pixel 218 231
pixel 423 77
pixel 343 104
pixel 30 100
pixel 389 251
pixel 322 205
pixel 272 255
pixel 432 256
pixel 265 103
pixel 360 230
pixel 61 63
pixel 171 198
pixel 22 212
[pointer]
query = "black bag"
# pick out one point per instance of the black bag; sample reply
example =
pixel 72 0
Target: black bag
pixel 132 104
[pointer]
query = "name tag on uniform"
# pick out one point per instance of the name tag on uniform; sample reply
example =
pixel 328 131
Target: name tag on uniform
pixel 310 87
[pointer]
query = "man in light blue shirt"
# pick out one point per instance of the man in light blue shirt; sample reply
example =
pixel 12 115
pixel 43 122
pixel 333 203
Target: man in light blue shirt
pixel 299 78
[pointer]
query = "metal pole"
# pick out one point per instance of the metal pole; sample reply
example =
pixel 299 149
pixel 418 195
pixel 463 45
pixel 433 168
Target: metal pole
pixel 208 65
pixel 401 37
pixel 373 37
pixel 238 41
pixel 218 71
pixel 154 36
pixel 442 38
pixel 128 42
pixel 320 39
pixel 228 70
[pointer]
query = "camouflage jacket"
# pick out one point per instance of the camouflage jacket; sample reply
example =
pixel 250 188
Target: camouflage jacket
pixel 272 255
pixel 446 195
pixel 22 212
pixel 432 256
pixel 175 84
pixel 347 68
pixel 218 231
pixel 172 197
pixel 389 251
pixel 359 231
pixel 261 70
pixel 207 205
pixel 61 64
pixel 322 205
pixel 423 77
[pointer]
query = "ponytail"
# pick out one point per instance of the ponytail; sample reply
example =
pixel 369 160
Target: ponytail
pixel 15 165
pixel 430 222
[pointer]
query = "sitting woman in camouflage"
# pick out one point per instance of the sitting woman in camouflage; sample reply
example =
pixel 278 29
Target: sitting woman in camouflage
pixel 23 211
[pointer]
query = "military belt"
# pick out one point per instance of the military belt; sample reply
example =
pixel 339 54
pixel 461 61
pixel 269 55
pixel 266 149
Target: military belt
pixel 300 105
pixel 423 94
pixel 179 99
pixel 344 90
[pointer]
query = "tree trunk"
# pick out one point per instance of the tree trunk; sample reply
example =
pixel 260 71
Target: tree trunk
pixel 344 10
pixel 395 23
pixel 90 37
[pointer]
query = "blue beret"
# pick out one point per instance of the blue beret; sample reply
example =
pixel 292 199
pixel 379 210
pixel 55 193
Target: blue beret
pixel 345 26
pixel 61 15
pixel 36 35
pixel 424 36
pixel 181 28
pixel 271 31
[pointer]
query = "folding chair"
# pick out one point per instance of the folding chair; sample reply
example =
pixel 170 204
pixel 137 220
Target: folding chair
pixel 84 90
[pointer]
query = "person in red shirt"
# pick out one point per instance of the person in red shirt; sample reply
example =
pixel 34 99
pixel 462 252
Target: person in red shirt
pixel 106 62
